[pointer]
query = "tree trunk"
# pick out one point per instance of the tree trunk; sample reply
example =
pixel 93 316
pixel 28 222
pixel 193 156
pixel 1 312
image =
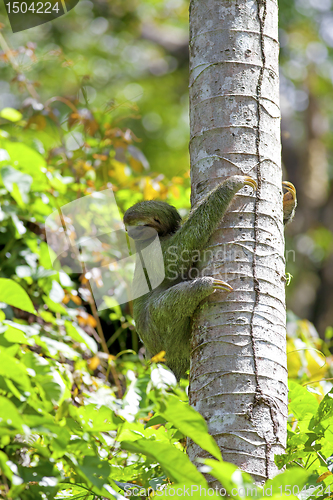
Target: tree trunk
pixel 238 378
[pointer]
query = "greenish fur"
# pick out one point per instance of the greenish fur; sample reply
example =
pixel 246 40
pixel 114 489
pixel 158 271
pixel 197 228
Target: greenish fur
pixel 163 316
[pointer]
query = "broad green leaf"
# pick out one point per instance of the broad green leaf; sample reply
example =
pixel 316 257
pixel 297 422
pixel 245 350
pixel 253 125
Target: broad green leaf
pixel 16 194
pixel 47 316
pixel 36 363
pixel 29 161
pixel 95 470
pixel 191 424
pixel 175 463
pixel 53 306
pixel 229 476
pixel 155 420
pixel 12 389
pixel 325 410
pixel 9 415
pixel 58 184
pixel 302 403
pixel 53 386
pixel 100 419
pixel 75 491
pixel 39 207
pixel 11 114
pixel 39 423
pixel 29 330
pixel 295 476
pixel 12 368
pixel 79 335
pixel 13 294
pixel 16 336
pixel 41 479
pixel 11 177
pixel 60 437
pixel 44 255
pixel 4 465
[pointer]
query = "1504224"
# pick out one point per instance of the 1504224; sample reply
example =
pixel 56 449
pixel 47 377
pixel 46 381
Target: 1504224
pixel 32 7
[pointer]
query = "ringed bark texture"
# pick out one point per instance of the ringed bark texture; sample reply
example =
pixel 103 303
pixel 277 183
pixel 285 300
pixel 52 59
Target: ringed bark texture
pixel 238 378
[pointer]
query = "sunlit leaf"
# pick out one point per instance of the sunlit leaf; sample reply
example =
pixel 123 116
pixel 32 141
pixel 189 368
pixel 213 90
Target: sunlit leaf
pixel 95 470
pixel 15 336
pixel 176 464
pixel 9 415
pixel 191 424
pixel 11 114
pixel 13 294
pixel 302 403
pixel 13 369
pixel 79 335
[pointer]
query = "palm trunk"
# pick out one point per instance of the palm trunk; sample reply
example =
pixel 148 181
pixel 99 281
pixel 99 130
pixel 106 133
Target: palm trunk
pixel 238 378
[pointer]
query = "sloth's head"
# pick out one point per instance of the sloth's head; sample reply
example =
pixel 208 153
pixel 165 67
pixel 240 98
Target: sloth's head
pixel 146 218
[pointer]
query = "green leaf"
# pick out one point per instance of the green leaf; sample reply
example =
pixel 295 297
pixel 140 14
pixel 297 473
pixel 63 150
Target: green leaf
pixel 28 160
pixel 325 410
pixel 47 316
pixel 191 424
pixel 12 389
pixel 76 492
pixel 11 178
pixel 12 368
pixel 15 336
pixel 29 330
pixel 11 114
pixel 296 476
pixel 36 363
pixel 13 294
pixel 60 437
pixel 53 386
pixel 302 403
pixel 95 470
pixel 9 415
pixel 155 420
pixel 18 197
pixel 4 466
pixel 100 419
pixel 229 476
pixel 79 335
pixel 176 464
pixel 37 473
pixel 53 306
pixel 44 256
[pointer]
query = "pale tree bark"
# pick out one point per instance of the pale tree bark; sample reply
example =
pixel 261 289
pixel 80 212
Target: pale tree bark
pixel 238 378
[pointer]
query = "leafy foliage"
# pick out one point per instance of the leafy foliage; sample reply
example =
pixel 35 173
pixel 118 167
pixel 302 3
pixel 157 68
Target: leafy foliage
pixel 65 433
pixel 76 422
